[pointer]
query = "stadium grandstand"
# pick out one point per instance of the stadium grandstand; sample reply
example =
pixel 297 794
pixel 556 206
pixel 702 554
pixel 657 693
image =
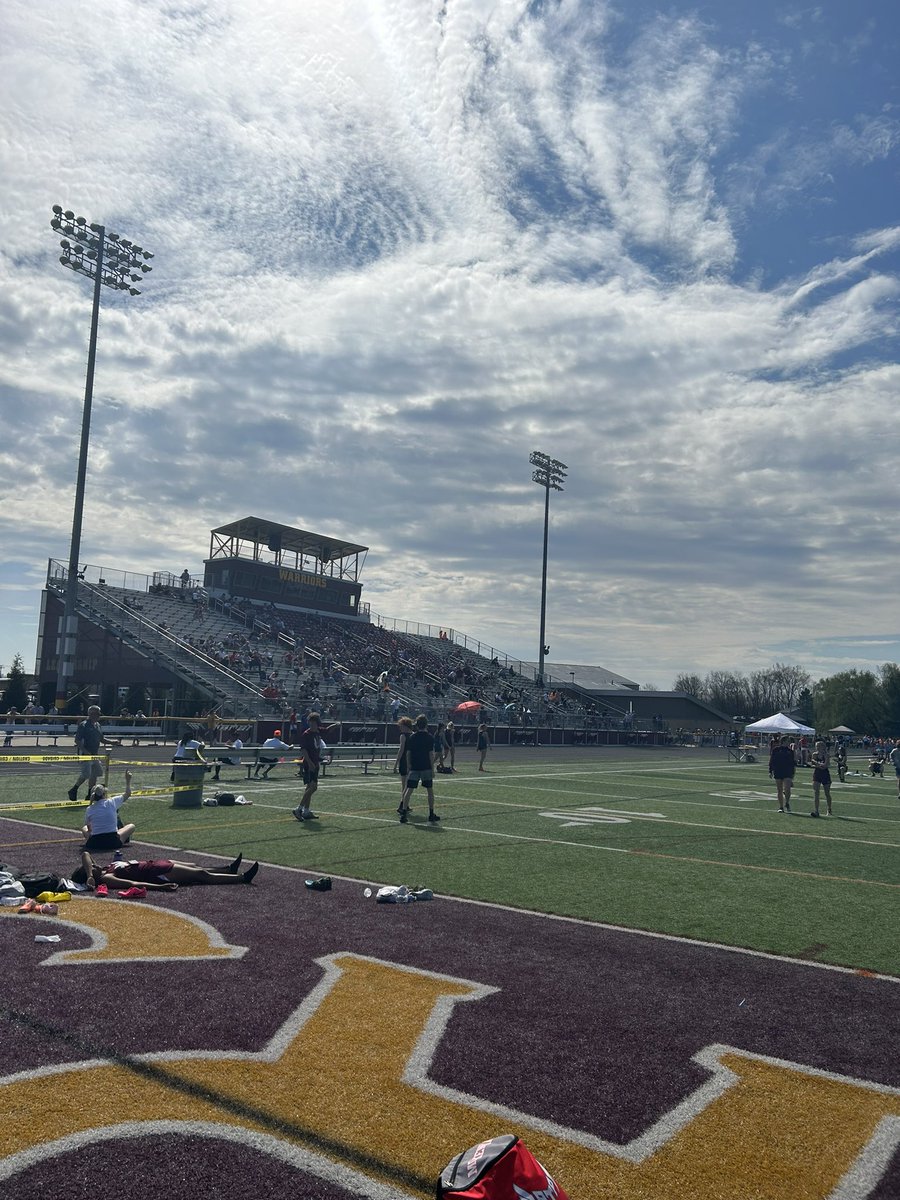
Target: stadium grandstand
pixel 277 623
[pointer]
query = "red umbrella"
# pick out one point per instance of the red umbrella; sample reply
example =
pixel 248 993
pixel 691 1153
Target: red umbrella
pixel 467 706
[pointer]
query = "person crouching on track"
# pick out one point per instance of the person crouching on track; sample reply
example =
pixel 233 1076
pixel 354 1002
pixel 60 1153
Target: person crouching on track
pixel 311 757
pixel 101 821
pixel 421 769
pixel 782 766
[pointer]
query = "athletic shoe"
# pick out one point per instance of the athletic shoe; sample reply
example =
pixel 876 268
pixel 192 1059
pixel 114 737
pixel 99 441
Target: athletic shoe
pixel 133 893
pixel 787 807
pixel 101 890
pixel 298 813
pixel 72 793
pixel 781 810
pixel 403 818
pixel 232 869
pixel 48 910
pixel 309 815
pixel 433 818
pixel 319 885
pixel 813 814
pixel 249 875
pixel 28 907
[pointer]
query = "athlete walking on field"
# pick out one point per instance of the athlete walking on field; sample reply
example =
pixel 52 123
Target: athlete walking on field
pixel 420 746
pixel 782 767
pixel 311 753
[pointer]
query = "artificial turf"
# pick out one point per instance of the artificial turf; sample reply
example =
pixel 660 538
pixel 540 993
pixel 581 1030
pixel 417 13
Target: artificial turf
pixel 682 842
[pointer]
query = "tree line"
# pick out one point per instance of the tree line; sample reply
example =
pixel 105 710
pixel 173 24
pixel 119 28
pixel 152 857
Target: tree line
pixel 866 701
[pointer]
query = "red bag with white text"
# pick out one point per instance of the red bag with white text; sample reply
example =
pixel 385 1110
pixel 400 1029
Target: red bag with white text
pixel 500 1169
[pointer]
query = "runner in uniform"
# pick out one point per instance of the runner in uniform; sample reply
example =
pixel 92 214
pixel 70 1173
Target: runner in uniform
pixel 311 755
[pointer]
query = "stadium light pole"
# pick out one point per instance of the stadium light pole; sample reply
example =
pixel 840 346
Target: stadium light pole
pixel 114 262
pixel 549 473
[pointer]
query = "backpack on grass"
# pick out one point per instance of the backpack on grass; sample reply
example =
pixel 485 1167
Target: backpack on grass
pixel 500 1169
pixel 33 885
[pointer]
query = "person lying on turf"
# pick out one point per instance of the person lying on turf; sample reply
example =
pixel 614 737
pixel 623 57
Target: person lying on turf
pixel 159 874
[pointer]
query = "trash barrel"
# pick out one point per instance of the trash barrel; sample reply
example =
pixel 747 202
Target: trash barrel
pixel 189 778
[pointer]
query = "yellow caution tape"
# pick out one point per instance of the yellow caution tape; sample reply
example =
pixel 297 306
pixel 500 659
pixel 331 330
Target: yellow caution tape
pixel 45 804
pixel 165 791
pixel 52 758
pixel 84 803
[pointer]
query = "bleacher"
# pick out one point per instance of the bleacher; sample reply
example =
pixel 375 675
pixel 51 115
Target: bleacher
pixel 254 658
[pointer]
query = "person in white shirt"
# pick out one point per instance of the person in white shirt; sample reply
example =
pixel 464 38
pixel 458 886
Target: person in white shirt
pixel 101 820
pixel 267 760
pixel 188 749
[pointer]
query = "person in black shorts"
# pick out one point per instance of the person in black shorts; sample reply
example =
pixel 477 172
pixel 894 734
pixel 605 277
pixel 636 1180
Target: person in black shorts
pixel 401 765
pixel 311 755
pixel 421 769
pixel 782 767
pixel 821 777
pixel 450 745
pixel 482 745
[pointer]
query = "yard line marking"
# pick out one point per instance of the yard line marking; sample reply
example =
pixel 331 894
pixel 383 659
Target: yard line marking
pixel 636 931
pixel 819 837
pixel 550 841
pixel 596 816
pixel 675 857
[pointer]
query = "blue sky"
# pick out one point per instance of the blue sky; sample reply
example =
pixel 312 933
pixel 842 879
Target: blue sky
pixel 400 244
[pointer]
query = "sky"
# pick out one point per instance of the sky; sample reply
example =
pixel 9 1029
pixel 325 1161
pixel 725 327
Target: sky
pixel 401 244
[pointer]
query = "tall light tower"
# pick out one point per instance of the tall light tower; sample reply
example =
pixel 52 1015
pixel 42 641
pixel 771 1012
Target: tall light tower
pixel 114 262
pixel 549 473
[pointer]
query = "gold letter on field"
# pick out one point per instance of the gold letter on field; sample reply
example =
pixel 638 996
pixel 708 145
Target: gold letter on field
pixel 350 1071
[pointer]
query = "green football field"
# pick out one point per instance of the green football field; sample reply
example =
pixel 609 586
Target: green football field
pixel 676 841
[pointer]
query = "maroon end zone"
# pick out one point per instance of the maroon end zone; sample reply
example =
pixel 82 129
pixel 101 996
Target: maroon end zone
pixel 640 1065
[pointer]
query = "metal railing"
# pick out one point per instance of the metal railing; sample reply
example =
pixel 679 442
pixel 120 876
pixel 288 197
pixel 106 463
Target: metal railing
pixel 193 665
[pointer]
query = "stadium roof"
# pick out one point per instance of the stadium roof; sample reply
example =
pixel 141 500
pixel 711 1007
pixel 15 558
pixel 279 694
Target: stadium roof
pixel 296 541
pixel 591 678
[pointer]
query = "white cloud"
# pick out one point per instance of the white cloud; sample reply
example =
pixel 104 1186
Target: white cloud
pixel 395 253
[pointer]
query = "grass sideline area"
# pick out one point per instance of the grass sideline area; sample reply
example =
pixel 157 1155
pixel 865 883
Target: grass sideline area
pixel 675 841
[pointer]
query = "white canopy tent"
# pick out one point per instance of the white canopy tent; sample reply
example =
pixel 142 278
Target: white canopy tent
pixel 779 723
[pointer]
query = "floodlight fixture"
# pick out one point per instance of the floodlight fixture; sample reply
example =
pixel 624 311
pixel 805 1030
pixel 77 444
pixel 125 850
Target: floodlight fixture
pixel 109 262
pixel 549 473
